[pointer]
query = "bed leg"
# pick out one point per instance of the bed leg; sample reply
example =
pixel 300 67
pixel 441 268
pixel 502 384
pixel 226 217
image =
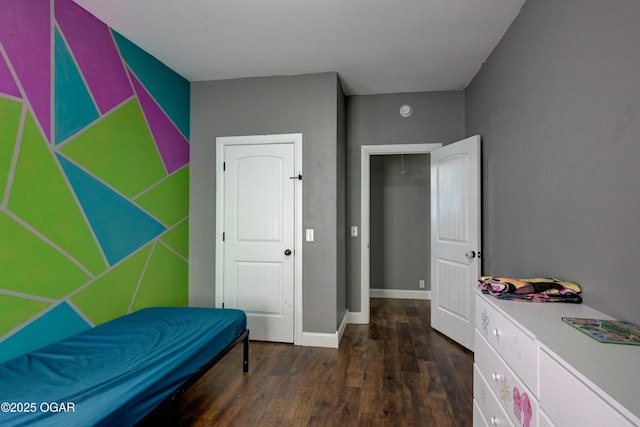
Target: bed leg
pixel 245 362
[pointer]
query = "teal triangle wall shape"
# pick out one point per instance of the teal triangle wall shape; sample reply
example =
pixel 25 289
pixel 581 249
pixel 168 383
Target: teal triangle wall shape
pixel 120 226
pixel 74 108
pixel 168 88
pixel 57 324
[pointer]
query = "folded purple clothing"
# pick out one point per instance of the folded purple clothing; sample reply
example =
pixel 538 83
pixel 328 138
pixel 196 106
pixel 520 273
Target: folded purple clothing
pixel 537 289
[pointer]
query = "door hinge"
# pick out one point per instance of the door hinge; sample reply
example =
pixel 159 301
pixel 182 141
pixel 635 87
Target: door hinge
pixel 224 166
pixel 223 236
pixel 222 305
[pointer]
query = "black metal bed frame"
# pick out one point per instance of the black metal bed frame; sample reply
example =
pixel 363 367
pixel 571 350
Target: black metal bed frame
pixel 158 417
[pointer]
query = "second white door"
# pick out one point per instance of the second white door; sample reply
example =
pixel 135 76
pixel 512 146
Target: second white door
pixel 455 238
pixel 259 237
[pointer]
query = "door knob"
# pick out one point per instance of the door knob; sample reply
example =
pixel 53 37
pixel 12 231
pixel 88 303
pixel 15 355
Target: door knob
pixel 287 252
pixel 470 254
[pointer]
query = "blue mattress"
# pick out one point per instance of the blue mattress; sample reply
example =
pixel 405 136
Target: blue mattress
pixel 115 373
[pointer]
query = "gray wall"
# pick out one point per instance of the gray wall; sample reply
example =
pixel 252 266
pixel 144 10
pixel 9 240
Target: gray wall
pixel 257 106
pixel 400 221
pixel 375 120
pixel 341 191
pixel 558 107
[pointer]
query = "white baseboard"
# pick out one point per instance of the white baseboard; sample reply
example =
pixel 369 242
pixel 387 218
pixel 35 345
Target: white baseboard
pixel 319 339
pixel 357 318
pixel 400 294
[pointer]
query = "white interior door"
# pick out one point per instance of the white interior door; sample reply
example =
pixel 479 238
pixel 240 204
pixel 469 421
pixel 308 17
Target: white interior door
pixel 455 238
pixel 259 237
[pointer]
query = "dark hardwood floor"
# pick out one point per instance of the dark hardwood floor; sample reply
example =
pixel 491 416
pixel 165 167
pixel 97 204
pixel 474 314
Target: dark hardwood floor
pixel 395 371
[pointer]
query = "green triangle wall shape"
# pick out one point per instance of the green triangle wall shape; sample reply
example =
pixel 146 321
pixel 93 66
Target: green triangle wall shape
pixel 178 238
pixel 14 311
pixel 169 200
pixel 31 266
pixel 119 150
pixel 110 295
pixel 40 196
pixel 10 112
pixel 165 282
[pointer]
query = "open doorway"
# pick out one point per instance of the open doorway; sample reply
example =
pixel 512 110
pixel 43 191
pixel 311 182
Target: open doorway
pixel 365 209
pixel 399 226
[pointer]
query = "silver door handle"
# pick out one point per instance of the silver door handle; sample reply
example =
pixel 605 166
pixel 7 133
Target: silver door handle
pixel 470 254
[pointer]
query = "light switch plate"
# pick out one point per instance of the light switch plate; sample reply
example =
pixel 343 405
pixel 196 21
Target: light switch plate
pixel 354 231
pixel 309 235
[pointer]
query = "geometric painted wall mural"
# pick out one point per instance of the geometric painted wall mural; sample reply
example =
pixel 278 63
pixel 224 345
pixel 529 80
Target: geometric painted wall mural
pixel 94 176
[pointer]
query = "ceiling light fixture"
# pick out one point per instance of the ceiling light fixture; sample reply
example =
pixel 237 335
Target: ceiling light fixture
pixel 405 110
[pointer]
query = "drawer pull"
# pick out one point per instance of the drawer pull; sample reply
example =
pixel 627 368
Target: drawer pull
pixel 495 376
pixel 494 421
pixel 496 332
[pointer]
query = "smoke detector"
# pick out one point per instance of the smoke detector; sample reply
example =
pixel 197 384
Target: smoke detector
pixel 405 110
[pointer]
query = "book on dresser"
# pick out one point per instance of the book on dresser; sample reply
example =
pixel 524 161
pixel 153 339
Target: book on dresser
pixel 606 331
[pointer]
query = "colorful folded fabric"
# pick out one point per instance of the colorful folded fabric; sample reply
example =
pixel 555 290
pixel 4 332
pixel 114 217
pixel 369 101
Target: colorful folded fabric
pixel 537 289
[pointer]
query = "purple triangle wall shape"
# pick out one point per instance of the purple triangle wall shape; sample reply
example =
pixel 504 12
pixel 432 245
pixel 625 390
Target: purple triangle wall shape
pixel 7 84
pixel 96 54
pixel 25 34
pixel 173 147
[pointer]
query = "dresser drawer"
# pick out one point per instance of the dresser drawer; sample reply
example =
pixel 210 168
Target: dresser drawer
pixel 490 411
pixel 478 419
pixel 518 349
pixel 570 402
pixel 512 394
pixel 543 420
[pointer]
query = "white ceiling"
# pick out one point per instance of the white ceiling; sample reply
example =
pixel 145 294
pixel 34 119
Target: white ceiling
pixel 376 46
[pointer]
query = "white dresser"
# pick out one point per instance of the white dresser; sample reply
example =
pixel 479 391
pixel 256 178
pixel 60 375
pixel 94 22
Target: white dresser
pixel 533 370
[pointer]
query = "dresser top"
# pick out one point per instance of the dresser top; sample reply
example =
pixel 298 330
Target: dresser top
pixel 612 368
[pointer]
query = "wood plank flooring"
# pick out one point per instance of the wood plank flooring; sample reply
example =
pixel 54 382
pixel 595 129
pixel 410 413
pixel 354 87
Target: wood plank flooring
pixel 396 371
